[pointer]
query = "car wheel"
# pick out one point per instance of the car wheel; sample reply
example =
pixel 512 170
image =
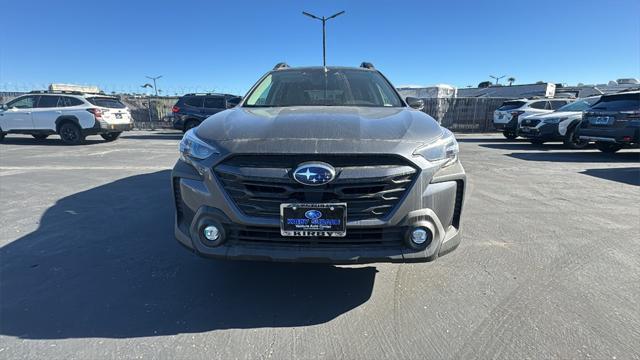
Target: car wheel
pixel 111 136
pixel 510 135
pixel 572 141
pixel 608 147
pixel 2 135
pixel 70 134
pixel 40 136
pixel 190 125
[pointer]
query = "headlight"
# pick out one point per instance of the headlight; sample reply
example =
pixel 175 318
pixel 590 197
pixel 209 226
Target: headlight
pixel 191 147
pixel 444 151
pixel 553 120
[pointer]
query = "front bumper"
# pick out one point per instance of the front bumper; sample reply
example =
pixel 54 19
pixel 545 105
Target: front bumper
pixel 437 205
pixel 510 126
pixel 541 132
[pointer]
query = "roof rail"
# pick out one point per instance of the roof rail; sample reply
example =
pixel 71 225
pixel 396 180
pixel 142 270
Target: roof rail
pixel 280 66
pixel 367 65
pixel 207 94
pixel 58 92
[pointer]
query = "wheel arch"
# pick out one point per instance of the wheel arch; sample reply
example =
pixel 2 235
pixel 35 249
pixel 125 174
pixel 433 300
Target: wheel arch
pixel 66 118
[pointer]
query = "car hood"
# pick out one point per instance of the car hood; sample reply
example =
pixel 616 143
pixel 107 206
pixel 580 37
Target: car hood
pixel 320 123
pixel 557 114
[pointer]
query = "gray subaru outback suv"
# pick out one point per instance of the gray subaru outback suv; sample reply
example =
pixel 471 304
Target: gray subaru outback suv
pixel 320 165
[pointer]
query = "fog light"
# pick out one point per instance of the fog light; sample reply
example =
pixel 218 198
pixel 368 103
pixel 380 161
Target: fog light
pixel 419 236
pixel 211 233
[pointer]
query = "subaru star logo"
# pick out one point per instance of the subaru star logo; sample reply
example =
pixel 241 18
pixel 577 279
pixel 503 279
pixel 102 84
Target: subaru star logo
pixel 314 173
pixel 313 214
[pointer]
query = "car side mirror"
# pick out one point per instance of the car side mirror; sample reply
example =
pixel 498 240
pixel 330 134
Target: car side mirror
pixel 415 103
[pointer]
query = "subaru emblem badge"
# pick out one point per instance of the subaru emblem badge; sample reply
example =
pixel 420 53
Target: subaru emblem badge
pixel 314 173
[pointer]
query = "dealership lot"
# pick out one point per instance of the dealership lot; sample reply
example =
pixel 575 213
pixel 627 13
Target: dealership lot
pixel 548 266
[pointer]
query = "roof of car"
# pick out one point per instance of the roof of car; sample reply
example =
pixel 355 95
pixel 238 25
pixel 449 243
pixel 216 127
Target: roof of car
pixel 306 68
pixel 210 94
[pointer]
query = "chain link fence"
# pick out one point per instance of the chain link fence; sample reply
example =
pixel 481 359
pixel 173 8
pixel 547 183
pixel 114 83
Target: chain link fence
pixel 464 114
pixel 456 114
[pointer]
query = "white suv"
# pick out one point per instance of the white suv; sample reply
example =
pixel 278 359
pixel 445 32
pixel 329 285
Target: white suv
pixel 508 116
pixel 72 115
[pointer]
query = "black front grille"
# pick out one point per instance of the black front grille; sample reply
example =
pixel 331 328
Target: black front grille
pixel 371 185
pixel 530 122
pixel 377 237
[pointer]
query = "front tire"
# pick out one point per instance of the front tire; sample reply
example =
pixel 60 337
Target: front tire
pixel 572 141
pixel 71 134
pixel 111 136
pixel 510 135
pixel 40 136
pixel 2 135
pixel 608 147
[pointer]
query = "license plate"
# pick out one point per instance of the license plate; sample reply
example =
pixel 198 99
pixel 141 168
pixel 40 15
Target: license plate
pixel 525 129
pixel 321 220
pixel 602 120
pixel 118 116
pixel 501 116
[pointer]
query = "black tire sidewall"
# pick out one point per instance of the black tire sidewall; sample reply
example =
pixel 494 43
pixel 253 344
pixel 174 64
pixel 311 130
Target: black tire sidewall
pixel 190 125
pixel 79 138
pixel 111 136
pixel 608 148
pixel 570 141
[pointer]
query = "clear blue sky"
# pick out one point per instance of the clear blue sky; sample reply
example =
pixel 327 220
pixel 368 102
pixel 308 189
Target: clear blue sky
pixel 227 45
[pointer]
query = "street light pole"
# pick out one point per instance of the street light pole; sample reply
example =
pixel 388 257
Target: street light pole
pixel 497 78
pixel 155 87
pixel 324 32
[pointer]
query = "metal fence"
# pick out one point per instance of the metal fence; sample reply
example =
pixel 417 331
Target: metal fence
pixel 457 114
pixel 464 114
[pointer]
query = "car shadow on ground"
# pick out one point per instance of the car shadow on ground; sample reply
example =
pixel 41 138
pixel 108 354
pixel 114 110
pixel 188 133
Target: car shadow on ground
pixel 51 141
pixel 525 145
pixel 485 139
pixel 164 135
pixel 629 176
pixel 104 263
pixel 578 156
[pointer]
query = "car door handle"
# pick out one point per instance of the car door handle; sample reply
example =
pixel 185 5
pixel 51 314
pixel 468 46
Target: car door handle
pixel 28 113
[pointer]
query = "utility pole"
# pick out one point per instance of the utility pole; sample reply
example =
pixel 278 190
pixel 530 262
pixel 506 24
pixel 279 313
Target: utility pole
pixel 324 32
pixel 155 87
pixel 497 78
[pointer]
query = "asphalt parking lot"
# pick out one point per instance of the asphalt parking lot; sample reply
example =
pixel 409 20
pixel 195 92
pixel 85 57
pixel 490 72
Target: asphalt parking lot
pixel 549 266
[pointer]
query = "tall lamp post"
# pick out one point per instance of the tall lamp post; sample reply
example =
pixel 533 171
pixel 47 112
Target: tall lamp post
pixel 497 78
pixel 154 82
pixel 324 33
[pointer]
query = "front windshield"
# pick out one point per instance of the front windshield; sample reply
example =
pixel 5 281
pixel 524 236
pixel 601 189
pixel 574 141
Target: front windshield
pixel 580 105
pixel 317 87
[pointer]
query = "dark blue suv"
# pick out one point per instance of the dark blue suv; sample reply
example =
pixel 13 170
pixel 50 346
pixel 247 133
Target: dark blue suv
pixel 192 109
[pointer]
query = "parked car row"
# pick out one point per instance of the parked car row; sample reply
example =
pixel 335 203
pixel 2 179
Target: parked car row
pixel 192 109
pixel 73 115
pixel 611 121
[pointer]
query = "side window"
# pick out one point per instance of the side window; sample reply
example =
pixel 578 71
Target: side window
pixel 214 102
pixel 194 101
pixel 66 101
pixel 555 105
pixel 48 101
pixel 540 105
pixel 26 102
